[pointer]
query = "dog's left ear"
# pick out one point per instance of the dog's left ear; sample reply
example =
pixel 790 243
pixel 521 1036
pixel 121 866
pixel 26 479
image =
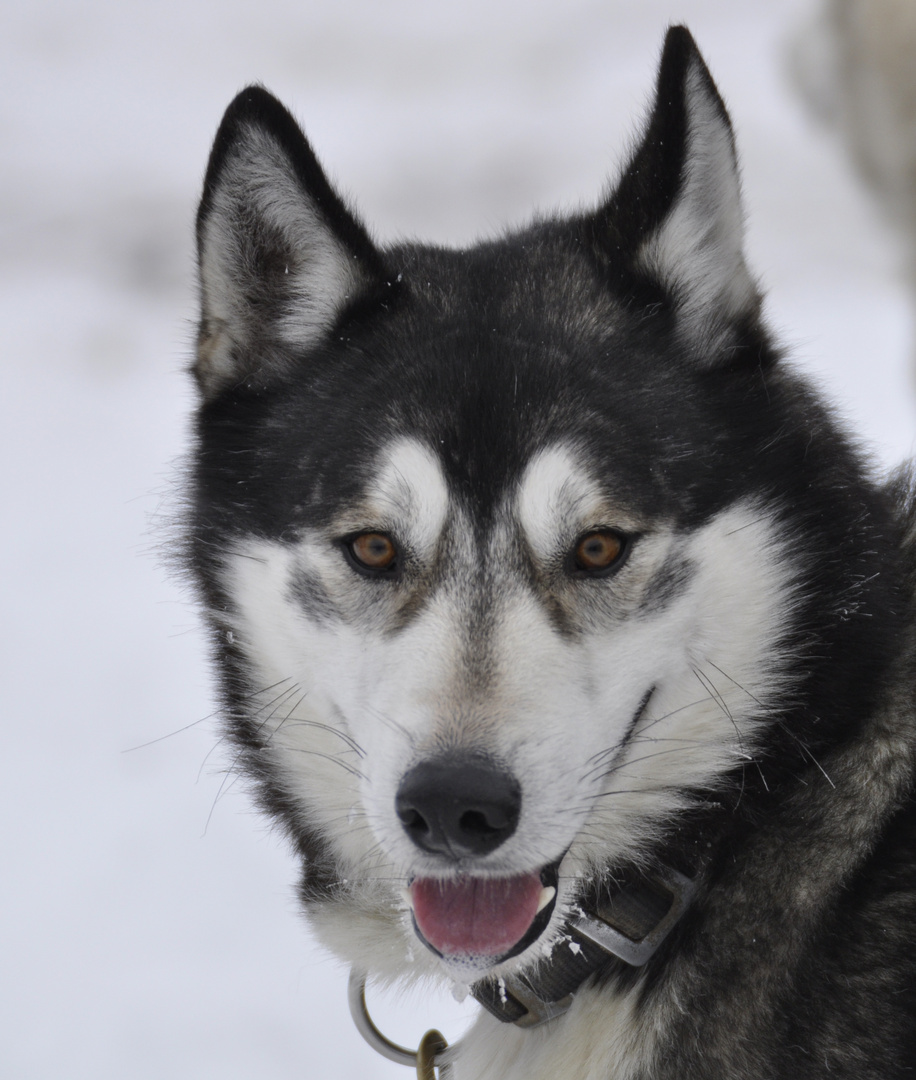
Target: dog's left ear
pixel 676 214
pixel 280 255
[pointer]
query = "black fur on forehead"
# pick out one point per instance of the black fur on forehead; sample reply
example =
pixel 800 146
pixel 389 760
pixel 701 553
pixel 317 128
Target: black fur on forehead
pixel 486 356
pixel 490 354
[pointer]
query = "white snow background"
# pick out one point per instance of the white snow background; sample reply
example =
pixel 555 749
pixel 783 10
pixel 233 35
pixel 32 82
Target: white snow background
pixel 147 918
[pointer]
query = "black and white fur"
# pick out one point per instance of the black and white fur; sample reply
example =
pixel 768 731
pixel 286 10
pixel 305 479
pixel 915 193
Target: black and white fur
pixel 737 686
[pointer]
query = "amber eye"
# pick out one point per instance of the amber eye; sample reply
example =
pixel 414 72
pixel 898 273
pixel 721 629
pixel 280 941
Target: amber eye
pixel 373 552
pixel 599 550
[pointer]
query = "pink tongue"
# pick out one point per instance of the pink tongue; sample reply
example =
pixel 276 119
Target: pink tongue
pixel 475 916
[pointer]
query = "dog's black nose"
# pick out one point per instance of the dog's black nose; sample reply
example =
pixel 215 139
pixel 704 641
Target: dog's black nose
pixel 459 806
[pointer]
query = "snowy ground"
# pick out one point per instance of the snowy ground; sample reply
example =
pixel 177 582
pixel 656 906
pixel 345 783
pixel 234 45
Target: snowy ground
pixel 148 923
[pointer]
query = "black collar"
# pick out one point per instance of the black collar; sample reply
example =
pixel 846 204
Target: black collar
pixel 626 920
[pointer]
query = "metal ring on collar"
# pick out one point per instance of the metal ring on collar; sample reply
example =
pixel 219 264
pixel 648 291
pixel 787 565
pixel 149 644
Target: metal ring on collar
pixel 356 993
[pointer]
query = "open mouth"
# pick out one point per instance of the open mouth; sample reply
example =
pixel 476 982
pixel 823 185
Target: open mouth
pixel 487 918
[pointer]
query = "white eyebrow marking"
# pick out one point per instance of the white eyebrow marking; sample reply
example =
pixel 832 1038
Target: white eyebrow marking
pixel 554 494
pixel 411 489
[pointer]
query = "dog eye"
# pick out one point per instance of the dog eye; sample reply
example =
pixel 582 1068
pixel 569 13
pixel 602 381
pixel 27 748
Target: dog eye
pixel 372 552
pixel 601 549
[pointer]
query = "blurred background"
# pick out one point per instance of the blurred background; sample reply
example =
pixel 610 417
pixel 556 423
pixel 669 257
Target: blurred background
pixel 148 926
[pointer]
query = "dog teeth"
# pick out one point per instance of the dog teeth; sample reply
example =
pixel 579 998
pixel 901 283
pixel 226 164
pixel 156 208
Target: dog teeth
pixel 407 898
pixel 547 894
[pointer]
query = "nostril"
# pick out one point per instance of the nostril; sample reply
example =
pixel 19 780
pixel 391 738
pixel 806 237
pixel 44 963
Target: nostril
pixel 475 822
pixel 413 821
pixel 459 806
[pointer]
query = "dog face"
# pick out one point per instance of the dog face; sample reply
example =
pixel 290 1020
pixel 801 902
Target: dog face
pixel 490 540
pixel 488 718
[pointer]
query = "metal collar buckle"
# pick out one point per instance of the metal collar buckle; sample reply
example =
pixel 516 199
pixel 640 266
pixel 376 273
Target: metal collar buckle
pixel 600 927
pixel 629 924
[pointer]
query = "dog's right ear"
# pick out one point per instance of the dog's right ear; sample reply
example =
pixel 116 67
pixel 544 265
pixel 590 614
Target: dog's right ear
pixel 279 254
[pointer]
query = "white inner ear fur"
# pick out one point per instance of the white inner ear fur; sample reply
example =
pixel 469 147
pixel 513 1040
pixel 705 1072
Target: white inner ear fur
pixel 258 191
pixel 698 250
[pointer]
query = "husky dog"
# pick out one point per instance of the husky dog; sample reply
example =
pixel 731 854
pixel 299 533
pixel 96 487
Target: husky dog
pixel 556 619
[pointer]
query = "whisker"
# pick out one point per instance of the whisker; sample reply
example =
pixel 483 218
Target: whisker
pixel 348 739
pixel 328 757
pixel 662 753
pixel 389 722
pixel 683 744
pixel 230 778
pixel 602 755
pixel 187 727
pixel 716 695
pixel 734 682
pixel 804 749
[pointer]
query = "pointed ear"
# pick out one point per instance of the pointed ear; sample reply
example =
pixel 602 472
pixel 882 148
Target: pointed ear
pixel 279 254
pixel 677 212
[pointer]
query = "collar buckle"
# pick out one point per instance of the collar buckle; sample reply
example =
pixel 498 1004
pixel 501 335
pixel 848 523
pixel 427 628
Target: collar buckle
pixel 629 921
pixel 623 924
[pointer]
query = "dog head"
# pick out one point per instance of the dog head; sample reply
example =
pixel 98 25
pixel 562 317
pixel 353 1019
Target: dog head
pixel 498 545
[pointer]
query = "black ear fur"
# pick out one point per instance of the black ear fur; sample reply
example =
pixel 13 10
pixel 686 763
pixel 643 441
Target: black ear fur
pixel 257 107
pixel 647 190
pixel 675 215
pixel 279 253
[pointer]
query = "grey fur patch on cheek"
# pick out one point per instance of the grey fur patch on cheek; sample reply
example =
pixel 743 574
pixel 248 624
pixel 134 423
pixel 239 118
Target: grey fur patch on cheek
pixel 669 582
pixel 307 592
